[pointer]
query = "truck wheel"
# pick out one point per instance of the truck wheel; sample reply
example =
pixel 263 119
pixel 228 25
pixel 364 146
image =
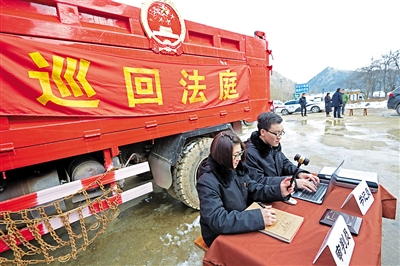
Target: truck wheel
pixel 184 173
pixel 247 123
pixel 172 193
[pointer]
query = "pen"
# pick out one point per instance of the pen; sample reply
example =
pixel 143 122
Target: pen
pixel 262 205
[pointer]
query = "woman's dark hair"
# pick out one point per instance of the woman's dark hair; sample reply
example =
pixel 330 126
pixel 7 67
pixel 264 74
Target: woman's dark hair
pixel 222 146
pixel 265 120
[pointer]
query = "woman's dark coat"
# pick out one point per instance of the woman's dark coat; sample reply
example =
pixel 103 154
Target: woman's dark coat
pixel 224 195
pixel 328 104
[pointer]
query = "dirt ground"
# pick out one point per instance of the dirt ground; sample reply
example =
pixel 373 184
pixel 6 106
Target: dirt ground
pixel 156 229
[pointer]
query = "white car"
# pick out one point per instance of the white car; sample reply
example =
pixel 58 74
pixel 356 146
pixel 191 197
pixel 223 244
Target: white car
pixel 293 106
pixel 278 106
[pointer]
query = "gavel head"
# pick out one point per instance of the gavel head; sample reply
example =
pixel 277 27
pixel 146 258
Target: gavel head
pixel 301 159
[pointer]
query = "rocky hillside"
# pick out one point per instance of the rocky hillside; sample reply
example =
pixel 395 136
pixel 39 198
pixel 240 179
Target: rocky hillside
pixel 329 79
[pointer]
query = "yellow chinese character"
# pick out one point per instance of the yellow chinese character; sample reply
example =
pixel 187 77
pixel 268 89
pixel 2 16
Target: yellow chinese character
pixel 44 80
pixel 143 85
pixel 227 85
pixel 197 93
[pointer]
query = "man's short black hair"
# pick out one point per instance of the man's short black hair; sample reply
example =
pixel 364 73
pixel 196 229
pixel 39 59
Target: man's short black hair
pixel 266 119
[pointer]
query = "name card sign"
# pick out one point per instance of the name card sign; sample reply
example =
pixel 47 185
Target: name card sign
pixel 363 197
pixel 340 242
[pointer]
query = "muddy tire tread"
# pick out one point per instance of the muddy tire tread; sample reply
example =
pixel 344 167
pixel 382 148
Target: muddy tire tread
pixel 185 171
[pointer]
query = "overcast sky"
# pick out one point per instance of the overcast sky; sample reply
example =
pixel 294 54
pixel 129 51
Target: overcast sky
pixel 306 36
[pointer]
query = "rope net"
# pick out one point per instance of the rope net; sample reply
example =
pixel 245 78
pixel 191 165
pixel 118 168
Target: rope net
pixel 58 244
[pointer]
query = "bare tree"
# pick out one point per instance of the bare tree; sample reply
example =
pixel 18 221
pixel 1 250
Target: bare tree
pixel 393 74
pixel 381 75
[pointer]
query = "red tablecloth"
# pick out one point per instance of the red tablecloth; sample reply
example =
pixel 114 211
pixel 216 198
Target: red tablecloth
pixel 258 249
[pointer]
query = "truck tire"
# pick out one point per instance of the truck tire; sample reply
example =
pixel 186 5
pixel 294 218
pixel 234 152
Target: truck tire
pixel 247 123
pixel 172 192
pixel 184 173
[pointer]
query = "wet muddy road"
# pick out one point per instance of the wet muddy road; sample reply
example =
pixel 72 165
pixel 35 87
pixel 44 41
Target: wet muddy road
pixel 158 230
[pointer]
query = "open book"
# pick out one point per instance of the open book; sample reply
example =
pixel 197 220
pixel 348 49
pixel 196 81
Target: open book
pixel 286 226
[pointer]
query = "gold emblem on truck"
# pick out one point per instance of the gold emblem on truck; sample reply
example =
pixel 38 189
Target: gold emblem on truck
pixel 164 26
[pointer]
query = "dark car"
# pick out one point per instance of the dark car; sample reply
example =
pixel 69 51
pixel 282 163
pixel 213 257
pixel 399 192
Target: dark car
pixel 394 100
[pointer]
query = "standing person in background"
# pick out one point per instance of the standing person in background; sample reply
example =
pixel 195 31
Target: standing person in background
pixel 303 104
pixel 345 99
pixel 337 101
pixel 225 191
pixel 328 104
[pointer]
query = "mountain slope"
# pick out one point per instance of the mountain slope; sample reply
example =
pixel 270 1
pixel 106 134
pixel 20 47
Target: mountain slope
pixel 328 80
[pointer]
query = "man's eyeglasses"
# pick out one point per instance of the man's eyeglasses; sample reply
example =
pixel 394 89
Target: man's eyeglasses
pixel 238 155
pixel 278 135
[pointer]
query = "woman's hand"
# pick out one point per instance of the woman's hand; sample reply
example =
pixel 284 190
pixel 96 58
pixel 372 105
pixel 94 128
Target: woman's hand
pixel 309 177
pixel 269 215
pixel 285 186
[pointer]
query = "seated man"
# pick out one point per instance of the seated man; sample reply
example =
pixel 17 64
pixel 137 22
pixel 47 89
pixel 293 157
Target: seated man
pixel 225 191
pixel 265 159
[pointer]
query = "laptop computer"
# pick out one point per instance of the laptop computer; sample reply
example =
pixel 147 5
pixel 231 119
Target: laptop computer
pixel 322 192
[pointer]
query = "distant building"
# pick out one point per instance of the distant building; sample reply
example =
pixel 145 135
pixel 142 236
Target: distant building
pixel 378 94
pixel 356 95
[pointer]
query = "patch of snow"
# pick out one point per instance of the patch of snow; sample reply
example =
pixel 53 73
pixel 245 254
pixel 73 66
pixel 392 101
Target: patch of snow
pixel 182 230
pixel 194 260
pixel 382 104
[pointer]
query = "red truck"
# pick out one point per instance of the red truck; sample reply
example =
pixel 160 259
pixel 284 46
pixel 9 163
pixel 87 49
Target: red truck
pixel 95 89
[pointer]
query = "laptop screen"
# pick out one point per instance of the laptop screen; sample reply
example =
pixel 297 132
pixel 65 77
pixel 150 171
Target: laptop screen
pixel 333 179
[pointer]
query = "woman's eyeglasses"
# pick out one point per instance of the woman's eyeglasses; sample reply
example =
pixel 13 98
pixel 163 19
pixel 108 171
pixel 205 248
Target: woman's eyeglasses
pixel 238 155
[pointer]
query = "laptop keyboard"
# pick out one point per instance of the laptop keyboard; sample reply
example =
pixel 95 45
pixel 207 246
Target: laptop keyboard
pixel 314 195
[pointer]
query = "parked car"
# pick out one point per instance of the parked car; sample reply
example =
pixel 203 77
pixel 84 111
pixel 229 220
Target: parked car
pixel 278 106
pixel 317 105
pixel 394 100
pixel 293 106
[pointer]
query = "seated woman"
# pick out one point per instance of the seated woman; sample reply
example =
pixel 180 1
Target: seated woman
pixel 225 190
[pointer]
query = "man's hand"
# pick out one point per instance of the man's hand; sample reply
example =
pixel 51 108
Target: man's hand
pixel 306 184
pixel 309 177
pixel 285 186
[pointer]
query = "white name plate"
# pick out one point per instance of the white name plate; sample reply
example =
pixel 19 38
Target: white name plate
pixel 363 197
pixel 340 242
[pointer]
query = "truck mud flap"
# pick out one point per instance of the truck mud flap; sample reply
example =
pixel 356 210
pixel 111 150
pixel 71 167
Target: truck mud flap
pixel 166 152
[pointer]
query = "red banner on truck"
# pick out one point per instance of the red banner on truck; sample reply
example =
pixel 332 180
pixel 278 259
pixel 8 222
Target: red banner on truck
pixel 41 78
